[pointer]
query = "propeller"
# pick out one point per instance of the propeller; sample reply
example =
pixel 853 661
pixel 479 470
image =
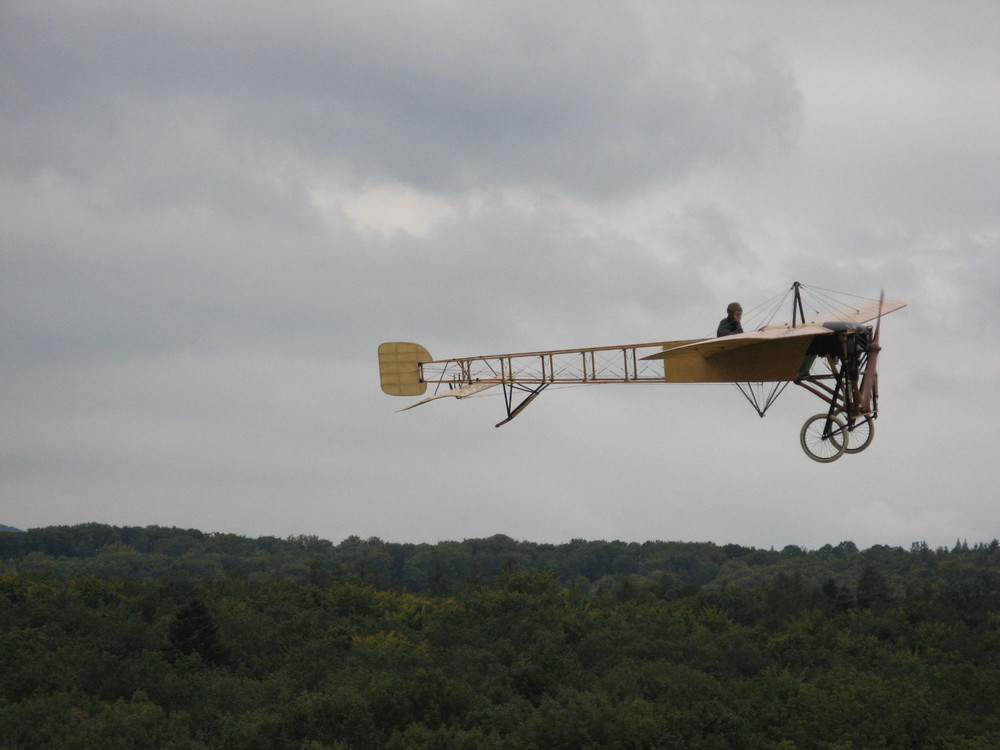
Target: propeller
pixel 869 384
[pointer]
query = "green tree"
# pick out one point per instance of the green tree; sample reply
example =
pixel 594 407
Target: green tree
pixel 194 631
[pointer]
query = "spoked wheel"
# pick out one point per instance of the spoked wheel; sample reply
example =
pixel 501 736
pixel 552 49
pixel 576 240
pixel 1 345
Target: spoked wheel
pixel 821 445
pixel 859 435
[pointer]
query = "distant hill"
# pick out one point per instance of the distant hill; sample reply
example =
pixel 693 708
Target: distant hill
pixel 8 528
pixel 153 552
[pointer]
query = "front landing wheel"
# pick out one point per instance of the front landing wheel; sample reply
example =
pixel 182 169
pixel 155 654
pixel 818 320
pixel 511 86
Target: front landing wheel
pixel 821 444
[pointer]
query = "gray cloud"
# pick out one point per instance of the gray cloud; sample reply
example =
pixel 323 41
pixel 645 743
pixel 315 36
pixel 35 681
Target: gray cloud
pixel 597 102
pixel 214 212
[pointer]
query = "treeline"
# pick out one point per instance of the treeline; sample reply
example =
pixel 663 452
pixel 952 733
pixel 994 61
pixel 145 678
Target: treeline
pixel 135 638
pixel 150 552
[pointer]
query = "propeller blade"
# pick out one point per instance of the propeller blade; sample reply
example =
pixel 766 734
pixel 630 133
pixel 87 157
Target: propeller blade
pixel 870 379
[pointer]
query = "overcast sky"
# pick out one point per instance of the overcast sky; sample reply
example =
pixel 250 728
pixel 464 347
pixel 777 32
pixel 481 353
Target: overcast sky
pixel 213 212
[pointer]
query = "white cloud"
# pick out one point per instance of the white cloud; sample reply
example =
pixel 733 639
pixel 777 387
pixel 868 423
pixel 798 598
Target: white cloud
pixel 385 208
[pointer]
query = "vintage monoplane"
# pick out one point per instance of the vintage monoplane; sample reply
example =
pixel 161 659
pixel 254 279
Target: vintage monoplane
pixel 833 354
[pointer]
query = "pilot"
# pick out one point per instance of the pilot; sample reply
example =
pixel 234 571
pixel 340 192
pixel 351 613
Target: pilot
pixel 731 323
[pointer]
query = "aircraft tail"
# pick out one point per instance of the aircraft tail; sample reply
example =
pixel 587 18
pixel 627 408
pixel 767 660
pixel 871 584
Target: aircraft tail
pixel 399 370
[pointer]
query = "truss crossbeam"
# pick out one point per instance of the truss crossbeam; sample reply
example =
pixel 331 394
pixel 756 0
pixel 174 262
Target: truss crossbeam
pixel 613 364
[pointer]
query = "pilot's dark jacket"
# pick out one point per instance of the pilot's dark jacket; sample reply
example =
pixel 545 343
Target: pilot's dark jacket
pixel 728 326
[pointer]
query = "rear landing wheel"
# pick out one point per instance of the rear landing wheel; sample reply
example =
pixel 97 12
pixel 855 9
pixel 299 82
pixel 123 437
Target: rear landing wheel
pixel 822 445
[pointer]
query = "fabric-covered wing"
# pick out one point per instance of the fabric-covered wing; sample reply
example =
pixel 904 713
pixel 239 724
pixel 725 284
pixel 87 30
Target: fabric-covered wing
pixel 770 355
pixel 860 313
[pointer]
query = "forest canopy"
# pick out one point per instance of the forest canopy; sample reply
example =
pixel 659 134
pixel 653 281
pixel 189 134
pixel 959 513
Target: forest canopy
pixel 161 637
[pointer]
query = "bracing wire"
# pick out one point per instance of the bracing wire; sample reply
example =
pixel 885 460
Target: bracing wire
pixel 761 315
pixel 755 394
pixel 839 294
pixel 819 299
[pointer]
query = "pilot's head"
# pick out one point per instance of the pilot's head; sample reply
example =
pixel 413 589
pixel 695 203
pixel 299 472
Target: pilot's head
pixel 734 310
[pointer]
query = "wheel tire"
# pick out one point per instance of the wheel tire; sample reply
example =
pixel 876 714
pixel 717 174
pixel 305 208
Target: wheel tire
pixel 824 448
pixel 860 435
